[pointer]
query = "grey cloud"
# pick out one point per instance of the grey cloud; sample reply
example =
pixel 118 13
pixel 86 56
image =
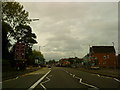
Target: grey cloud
pixel 69 28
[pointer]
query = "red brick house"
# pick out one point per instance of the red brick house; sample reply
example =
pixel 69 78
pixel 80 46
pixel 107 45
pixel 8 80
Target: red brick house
pixel 118 61
pixel 105 55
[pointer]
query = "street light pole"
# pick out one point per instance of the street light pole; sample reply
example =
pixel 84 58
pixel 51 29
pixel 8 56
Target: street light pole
pixel 36 19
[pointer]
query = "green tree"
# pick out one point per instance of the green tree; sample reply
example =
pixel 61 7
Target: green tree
pixel 34 55
pixel 5 41
pixel 16 17
pixel 14 14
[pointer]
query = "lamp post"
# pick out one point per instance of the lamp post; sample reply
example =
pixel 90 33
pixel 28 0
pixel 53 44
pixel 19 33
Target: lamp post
pixel 35 19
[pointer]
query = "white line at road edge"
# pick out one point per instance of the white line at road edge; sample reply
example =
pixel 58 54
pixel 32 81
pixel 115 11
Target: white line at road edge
pixel 35 84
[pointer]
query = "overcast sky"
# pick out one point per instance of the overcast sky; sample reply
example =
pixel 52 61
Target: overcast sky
pixel 67 29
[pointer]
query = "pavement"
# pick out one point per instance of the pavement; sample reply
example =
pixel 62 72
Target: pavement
pixel 12 73
pixel 24 81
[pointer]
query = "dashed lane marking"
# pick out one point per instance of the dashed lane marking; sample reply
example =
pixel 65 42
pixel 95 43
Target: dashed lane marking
pixel 73 75
pixel 35 84
pixel 107 77
pixel 116 79
pixel 87 84
pixel 80 81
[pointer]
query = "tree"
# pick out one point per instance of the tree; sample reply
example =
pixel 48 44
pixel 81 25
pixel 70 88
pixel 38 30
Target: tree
pixel 14 14
pixel 5 41
pixel 17 18
pixel 24 34
pixel 34 55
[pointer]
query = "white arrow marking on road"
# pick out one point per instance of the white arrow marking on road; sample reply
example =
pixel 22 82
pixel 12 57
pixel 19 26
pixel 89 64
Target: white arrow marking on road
pixel 35 84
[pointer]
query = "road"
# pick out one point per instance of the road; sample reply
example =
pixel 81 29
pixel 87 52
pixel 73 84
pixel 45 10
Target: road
pixel 61 77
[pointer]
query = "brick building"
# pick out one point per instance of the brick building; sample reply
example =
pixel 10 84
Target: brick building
pixel 105 55
pixel 118 61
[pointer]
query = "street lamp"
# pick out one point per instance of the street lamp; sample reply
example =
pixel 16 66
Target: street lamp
pixel 36 19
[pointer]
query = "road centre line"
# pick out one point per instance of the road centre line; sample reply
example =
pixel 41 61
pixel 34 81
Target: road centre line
pixel 86 84
pixel 107 77
pixel 80 81
pixel 35 84
pixel 70 73
pixel 73 75
pixel 116 79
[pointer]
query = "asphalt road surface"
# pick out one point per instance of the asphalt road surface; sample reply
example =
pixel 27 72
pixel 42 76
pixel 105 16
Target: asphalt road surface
pixel 61 77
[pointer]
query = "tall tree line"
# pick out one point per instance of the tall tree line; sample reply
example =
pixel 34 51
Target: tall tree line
pixel 15 28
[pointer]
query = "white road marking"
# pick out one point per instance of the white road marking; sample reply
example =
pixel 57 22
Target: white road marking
pixel 87 84
pixel 116 79
pixel 11 79
pixel 102 76
pixel 43 86
pixel 45 82
pixel 35 84
pixel 77 77
pixel 17 77
pixel 73 75
pixel 80 81
pixel 98 75
pixel 106 77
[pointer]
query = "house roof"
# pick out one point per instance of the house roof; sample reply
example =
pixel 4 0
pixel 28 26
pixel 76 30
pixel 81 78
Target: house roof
pixel 102 49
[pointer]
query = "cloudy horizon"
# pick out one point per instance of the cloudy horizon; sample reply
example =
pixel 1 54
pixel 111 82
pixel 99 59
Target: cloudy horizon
pixel 67 29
